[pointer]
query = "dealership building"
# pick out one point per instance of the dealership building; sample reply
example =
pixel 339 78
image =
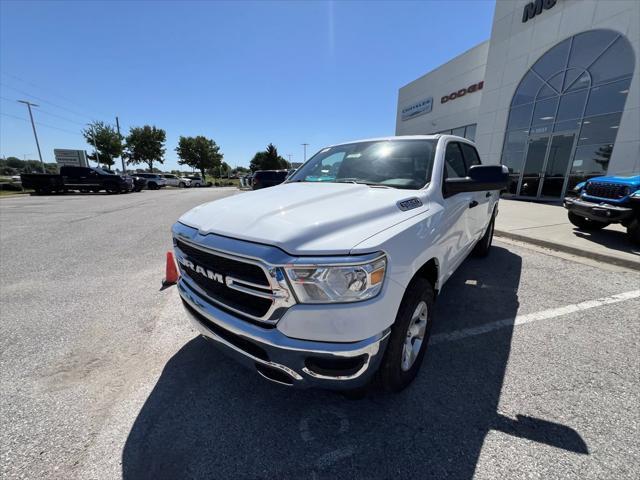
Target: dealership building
pixel 554 94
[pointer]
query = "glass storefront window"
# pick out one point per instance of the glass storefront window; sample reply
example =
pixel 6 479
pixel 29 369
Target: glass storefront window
pixel 600 129
pixel 616 64
pixel 608 98
pixel 545 111
pixel 567 125
pixel 470 132
pixel 571 105
pixel 520 116
pixel 513 161
pixel 458 132
pixel 587 46
pixel 528 89
pixel 592 159
pixel 516 140
pixel 574 94
pixel 547 65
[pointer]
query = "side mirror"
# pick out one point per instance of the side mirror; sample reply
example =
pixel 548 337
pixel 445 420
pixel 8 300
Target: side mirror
pixel 481 178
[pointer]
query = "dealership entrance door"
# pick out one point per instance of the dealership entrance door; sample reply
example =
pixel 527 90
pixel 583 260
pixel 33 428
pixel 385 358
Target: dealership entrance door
pixel 546 166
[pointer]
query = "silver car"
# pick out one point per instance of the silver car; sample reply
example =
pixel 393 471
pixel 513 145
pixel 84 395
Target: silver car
pixel 176 181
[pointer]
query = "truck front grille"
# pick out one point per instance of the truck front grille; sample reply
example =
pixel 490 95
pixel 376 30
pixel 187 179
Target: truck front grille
pixel 605 190
pixel 213 272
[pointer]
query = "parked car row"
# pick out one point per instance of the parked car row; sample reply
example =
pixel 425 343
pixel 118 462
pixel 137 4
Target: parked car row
pixel 94 179
pixel 265 178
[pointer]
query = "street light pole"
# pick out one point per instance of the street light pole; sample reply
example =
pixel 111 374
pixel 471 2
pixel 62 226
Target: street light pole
pixel 305 150
pixel 124 169
pixel 33 125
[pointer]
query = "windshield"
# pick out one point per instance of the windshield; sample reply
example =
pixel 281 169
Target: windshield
pixel 392 163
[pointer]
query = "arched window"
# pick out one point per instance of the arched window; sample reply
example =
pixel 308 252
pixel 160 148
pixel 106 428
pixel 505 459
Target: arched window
pixel 577 90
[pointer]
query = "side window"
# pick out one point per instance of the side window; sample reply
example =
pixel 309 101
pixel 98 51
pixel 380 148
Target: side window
pixel 454 162
pixel 471 156
pixel 329 166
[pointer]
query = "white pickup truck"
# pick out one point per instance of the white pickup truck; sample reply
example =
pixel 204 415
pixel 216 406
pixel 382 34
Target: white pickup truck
pixel 331 277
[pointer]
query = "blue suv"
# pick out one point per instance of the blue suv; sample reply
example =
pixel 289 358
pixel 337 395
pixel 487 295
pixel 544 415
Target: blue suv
pixel 601 201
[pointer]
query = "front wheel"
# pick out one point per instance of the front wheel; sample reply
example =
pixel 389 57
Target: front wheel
pixel 112 188
pixel 633 231
pixel 181 185
pixel 584 223
pixel 409 337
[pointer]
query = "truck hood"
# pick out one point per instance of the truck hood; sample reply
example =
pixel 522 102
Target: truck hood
pixel 307 218
pixel 631 181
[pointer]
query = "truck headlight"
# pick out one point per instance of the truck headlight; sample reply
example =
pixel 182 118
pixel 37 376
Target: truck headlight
pixel 337 283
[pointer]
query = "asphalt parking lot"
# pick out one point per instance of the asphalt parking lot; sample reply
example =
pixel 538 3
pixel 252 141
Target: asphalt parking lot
pixel 532 371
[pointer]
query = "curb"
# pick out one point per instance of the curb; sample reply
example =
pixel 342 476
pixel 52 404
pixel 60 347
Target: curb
pixel 602 257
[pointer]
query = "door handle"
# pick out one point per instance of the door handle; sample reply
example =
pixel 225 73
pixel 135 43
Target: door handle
pixel 487 195
pixel 473 204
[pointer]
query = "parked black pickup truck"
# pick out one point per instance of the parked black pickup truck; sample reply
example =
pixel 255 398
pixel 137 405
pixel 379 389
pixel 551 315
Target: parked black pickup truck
pixel 84 179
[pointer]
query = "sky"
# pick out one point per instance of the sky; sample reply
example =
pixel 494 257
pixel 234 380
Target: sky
pixel 242 73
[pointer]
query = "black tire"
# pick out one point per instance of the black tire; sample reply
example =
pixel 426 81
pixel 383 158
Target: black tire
pixel 483 247
pixel 633 231
pixel 393 375
pixel 112 188
pixel 585 223
pixel 153 186
pixel 181 185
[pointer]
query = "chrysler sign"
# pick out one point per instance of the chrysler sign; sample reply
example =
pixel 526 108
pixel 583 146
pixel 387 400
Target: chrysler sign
pixel 417 108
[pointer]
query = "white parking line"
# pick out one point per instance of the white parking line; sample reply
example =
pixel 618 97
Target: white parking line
pixel 533 317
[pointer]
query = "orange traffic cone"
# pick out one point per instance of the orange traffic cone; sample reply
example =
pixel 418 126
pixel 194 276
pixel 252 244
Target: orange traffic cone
pixel 171 273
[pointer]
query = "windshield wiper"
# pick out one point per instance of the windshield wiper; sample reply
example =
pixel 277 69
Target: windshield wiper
pixel 361 182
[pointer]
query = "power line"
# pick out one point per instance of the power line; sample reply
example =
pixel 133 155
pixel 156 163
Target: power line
pixel 68 100
pixel 40 124
pixel 48 113
pixel 46 101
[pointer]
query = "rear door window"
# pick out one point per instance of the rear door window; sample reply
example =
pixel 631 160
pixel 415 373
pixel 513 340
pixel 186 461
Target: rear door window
pixel 471 156
pixel 454 166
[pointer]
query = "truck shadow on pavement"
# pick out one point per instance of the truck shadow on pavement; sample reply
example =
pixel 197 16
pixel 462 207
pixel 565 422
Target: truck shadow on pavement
pixel 207 417
pixel 611 239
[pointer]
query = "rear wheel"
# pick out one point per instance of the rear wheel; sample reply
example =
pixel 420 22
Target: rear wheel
pixel 483 246
pixel 584 223
pixel 409 337
pixel 153 186
pixel 181 185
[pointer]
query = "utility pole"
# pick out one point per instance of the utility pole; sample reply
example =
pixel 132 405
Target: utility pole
pixel 33 125
pixel 95 145
pixel 305 150
pixel 124 169
pixel 289 155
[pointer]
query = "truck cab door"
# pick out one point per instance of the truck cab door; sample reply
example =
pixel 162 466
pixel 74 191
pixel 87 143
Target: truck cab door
pixel 480 212
pixel 457 224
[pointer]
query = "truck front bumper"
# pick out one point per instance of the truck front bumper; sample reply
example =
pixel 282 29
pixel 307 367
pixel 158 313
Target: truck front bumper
pixel 598 212
pixel 282 359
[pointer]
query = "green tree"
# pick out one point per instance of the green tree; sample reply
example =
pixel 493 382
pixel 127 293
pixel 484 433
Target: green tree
pixel 268 159
pixel 145 145
pixel 14 162
pixel 200 153
pixel 106 142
